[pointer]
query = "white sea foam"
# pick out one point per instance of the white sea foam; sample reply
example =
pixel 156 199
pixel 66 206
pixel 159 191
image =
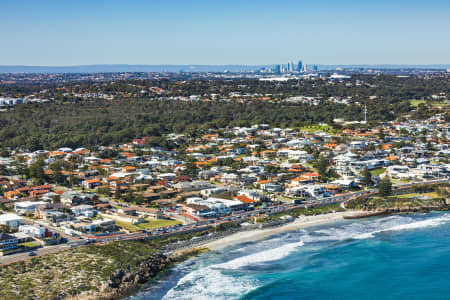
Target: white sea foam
pixel 209 283
pixel 433 222
pixel 212 282
pixel 367 229
pixel 261 257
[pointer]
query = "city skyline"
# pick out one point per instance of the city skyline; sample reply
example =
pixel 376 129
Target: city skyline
pixel 254 33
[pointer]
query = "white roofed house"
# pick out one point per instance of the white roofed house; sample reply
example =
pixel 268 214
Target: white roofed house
pixel 344 183
pixel 206 174
pixel 358 145
pixel 229 178
pixel 75 198
pixel 167 176
pixel 65 149
pixel 342 163
pixel 84 210
pixel 316 191
pixel 27 206
pixel 10 220
pixel 299 143
pixel 400 172
pixel 215 204
pixel 33 230
pixel 428 171
pixel 105 224
pixel 91 159
pixel 299 154
pixel 232 205
pixel 213 191
pixel 271 187
pixel 192 186
pixel 197 210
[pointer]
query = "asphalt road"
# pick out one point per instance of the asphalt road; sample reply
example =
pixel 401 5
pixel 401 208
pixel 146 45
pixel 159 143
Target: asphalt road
pixel 202 224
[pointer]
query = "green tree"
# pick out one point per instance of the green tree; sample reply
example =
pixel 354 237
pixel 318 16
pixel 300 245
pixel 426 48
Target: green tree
pixel 385 186
pixel 36 171
pixel 129 197
pixel 189 167
pixel 71 179
pixel 4 152
pixel 117 193
pixel 367 176
pixel 381 135
pixel 322 164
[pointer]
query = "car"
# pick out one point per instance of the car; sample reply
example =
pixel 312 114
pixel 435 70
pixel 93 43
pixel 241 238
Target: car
pixel 32 253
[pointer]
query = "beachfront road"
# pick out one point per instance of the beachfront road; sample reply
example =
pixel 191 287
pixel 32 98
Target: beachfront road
pixel 203 224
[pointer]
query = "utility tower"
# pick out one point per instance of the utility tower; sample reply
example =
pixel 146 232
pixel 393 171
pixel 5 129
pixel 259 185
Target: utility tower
pixel 365 114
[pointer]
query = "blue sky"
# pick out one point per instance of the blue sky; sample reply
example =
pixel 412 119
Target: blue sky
pixel 66 32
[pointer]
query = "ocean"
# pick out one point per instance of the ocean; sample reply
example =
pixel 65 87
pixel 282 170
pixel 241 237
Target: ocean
pixel 395 257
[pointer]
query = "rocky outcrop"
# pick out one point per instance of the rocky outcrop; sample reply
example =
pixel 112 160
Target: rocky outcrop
pixel 400 210
pixel 123 281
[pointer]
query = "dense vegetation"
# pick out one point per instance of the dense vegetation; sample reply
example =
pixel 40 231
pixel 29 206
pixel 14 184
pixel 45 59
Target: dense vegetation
pixel 90 123
pixel 69 272
pixel 84 269
pixel 76 118
pixel 358 87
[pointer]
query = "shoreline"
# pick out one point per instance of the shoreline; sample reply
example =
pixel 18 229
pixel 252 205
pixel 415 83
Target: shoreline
pixel 259 234
pixel 253 235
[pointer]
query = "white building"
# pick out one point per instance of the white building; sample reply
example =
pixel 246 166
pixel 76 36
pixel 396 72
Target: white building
pixel 10 220
pixel 33 230
pixel 84 210
pixel 27 206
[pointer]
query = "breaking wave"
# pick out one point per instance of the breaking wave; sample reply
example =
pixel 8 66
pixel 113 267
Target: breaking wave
pixel 209 283
pixel 261 257
pixel 235 277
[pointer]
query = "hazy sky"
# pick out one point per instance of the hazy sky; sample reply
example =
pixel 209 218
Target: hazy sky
pixel 66 32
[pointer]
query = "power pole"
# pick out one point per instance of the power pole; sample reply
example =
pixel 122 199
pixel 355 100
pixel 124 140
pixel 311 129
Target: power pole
pixel 365 114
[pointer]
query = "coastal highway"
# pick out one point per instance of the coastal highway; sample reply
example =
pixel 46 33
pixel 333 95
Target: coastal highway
pixel 12 258
pixel 202 224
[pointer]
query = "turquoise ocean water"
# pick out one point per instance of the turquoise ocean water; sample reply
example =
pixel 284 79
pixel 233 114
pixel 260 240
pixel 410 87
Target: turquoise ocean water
pixel 396 257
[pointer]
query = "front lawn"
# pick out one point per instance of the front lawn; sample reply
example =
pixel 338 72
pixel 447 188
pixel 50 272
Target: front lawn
pixel 417 195
pixel 30 244
pixel 149 224
pixel 377 172
pixel 152 224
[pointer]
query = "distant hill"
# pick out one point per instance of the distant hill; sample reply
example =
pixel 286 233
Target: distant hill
pixel 385 66
pixel 187 68
pixel 126 68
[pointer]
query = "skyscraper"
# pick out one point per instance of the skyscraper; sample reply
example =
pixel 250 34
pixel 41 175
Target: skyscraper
pixel 290 67
pixel 277 69
pixel 300 66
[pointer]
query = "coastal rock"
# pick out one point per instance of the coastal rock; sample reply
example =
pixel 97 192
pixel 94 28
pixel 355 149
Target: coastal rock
pixel 122 280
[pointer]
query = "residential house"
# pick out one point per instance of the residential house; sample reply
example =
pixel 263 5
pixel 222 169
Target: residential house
pixel 10 220
pixel 25 207
pixel 7 242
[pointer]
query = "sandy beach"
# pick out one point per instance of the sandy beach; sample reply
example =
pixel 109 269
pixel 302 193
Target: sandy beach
pixel 258 234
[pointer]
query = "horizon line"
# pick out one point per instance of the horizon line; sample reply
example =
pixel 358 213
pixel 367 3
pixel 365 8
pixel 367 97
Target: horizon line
pixel 229 64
